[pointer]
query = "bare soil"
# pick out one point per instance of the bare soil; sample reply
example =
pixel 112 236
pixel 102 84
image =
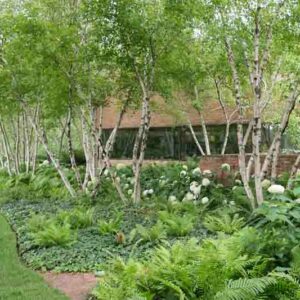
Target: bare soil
pixel 77 286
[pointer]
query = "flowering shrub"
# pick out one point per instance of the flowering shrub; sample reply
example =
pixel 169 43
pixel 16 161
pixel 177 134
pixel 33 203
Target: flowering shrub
pixel 184 182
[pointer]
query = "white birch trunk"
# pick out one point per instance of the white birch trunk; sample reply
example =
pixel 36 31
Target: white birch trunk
pixel 6 149
pixel 290 105
pixel 71 150
pixel 56 164
pixel 293 172
pixel 240 135
pixel 195 138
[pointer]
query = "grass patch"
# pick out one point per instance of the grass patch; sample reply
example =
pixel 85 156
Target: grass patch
pixel 16 281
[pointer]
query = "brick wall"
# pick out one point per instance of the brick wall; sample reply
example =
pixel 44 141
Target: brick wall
pixel 214 162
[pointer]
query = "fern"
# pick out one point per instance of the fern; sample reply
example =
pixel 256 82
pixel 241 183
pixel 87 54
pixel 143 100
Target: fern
pixel 111 226
pixel 54 234
pixel 296 259
pixel 245 288
pixel 224 223
pixel 38 222
pixel 155 233
pixel 77 218
pixel 177 225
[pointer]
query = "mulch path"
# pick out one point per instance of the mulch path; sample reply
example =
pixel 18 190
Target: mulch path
pixel 77 286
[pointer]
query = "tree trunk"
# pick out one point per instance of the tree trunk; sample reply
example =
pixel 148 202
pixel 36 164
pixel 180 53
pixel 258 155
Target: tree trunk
pixel 86 149
pixel 293 173
pixel 43 139
pixel 27 143
pixel 275 161
pixel 195 138
pixel 240 135
pixel 71 150
pixel 228 119
pixel 6 148
pixel 140 147
pixel 17 146
pixel 203 125
pixel 256 136
pixel 290 105
pixel 64 128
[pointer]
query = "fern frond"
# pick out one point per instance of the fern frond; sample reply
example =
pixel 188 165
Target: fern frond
pixel 244 288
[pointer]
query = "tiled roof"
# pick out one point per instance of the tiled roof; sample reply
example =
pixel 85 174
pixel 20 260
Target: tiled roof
pixel 163 115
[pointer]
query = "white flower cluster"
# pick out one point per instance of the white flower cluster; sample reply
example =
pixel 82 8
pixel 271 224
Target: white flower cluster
pixel 207 173
pixel 148 192
pixel 195 188
pixel 205 182
pixel 120 166
pixel 173 199
pixel 196 171
pixel 204 200
pixel 183 173
pixel 188 197
pixel 225 167
pixel 276 189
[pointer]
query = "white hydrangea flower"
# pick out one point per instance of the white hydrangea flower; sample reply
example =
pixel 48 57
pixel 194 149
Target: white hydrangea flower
pixel 204 200
pixel 276 189
pixel 131 180
pixel 232 203
pixel 150 192
pixel 196 190
pixel 129 192
pixel 188 197
pixel 266 183
pixel 162 182
pixel 183 173
pixel 172 198
pixel 185 167
pixel 106 173
pixel 126 186
pixel 118 179
pixel 196 171
pixel 225 167
pixel 45 163
pixel 297 200
pixel 120 166
pixel 237 181
pixel 225 202
pixel 234 188
pixel 145 193
pixel 205 182
pixel 207 173
pixel 219 185
pixel 194 183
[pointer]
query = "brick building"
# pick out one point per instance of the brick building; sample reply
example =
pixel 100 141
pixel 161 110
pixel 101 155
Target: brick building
pixel 169 136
